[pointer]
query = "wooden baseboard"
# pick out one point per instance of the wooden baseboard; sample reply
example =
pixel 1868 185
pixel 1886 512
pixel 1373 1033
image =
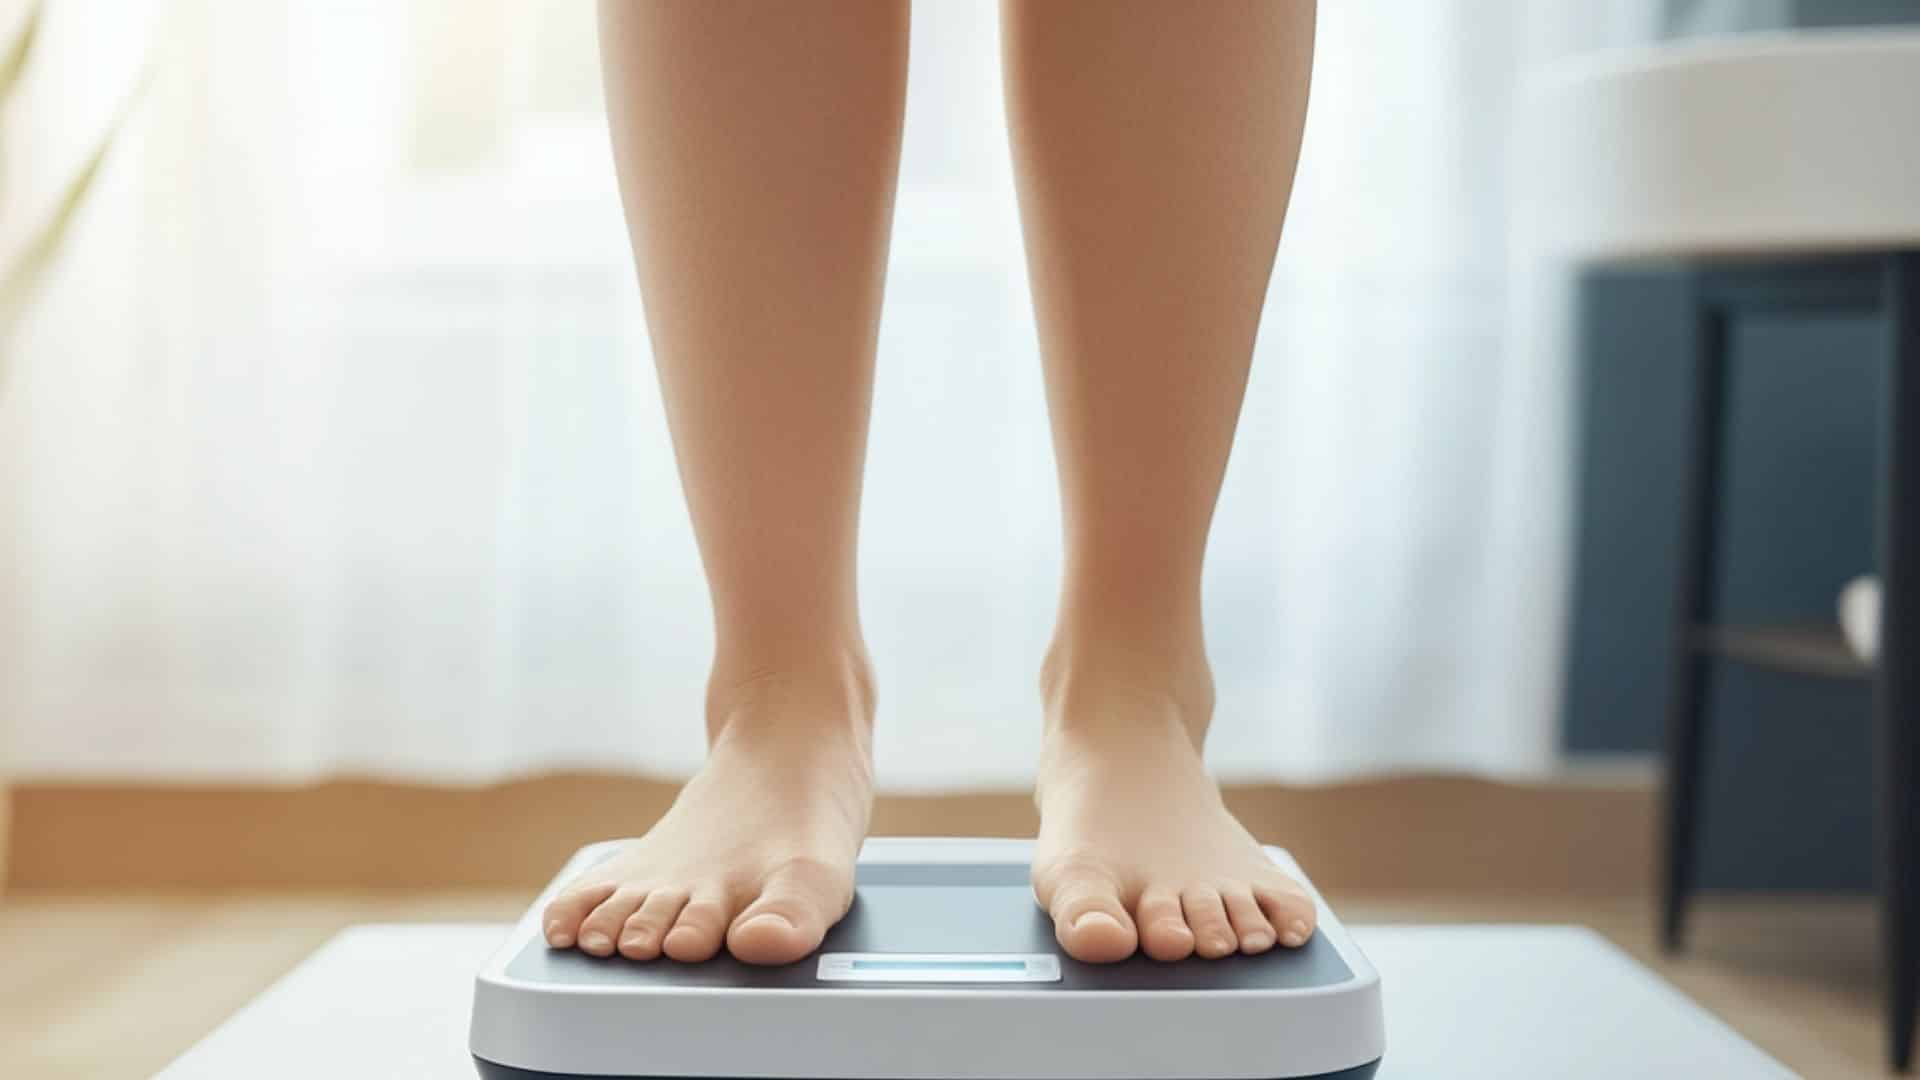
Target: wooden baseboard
pixel 1425 833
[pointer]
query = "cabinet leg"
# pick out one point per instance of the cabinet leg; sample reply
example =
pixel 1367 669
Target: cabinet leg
pixel 1693 607
pixel 1897 687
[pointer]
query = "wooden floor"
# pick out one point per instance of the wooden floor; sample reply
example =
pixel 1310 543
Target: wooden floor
pixel 115 985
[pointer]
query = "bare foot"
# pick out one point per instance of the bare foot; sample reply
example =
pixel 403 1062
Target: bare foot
pixel 1136 848
pixel 758 850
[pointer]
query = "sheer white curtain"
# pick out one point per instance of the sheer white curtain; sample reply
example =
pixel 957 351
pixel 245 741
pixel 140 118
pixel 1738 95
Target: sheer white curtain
pixel 330 442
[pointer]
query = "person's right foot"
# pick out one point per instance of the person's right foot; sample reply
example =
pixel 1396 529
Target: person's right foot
pixel 756 853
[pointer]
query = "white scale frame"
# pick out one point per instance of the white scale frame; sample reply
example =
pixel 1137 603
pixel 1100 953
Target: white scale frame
pixel 1002 1031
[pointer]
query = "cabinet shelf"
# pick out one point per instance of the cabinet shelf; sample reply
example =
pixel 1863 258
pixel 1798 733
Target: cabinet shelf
pixel 1816 649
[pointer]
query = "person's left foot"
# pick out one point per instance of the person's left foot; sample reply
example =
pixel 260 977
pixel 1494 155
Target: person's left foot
pixel 1136 848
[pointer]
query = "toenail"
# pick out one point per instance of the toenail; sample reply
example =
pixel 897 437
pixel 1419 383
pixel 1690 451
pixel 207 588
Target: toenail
pixel 1092 918
pixel 1296 934
pixel 768 916
pixel 594 941
pixel 558 937
pixel 1255 941
pixel 1221 943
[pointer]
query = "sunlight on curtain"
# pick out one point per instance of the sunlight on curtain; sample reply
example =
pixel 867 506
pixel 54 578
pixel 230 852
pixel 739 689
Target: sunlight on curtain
pixel 332 445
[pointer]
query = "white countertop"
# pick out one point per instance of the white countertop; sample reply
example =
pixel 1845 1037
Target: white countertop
pixel 1746 144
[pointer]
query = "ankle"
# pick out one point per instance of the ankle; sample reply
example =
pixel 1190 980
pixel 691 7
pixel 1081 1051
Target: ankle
pixel 821 689
pixel 1097 681
pixel 1120 713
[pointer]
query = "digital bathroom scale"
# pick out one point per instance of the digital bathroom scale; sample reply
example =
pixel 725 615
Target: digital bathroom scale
pixel 943 969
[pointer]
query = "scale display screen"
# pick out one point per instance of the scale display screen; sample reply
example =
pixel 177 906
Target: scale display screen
pixel 939 965
pixel 938 968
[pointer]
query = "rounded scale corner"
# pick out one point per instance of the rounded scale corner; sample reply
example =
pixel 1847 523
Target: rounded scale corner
pixel 494 970
pixel 493 1070
pixel 1284 858
pixel 591 853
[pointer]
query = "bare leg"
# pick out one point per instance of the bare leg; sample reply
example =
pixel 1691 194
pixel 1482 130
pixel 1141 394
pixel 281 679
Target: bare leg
pixel 758 146
pixel 1155 147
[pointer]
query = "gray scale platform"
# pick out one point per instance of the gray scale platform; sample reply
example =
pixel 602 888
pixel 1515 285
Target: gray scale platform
pixel 971 909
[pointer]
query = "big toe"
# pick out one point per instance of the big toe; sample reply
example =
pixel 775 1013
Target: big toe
pixel 1089 920
pixel 791 916
pixel 769 937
